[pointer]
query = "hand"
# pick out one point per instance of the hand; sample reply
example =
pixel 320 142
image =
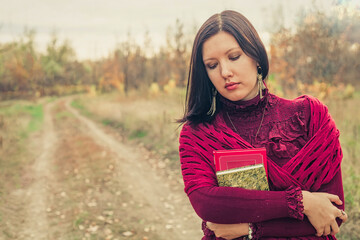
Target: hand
pixel 322 213
pixel 229 231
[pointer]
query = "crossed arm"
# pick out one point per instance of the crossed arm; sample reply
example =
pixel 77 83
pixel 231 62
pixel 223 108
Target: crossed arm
pixel 229 210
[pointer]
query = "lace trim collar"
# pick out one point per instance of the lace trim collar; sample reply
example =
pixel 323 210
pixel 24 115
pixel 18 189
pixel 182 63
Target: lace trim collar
pixel 244 106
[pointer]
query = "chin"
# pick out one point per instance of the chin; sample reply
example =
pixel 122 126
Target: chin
pixel 235 98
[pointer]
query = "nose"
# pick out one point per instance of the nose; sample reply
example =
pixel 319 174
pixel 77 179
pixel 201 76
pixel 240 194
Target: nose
pixel 226 71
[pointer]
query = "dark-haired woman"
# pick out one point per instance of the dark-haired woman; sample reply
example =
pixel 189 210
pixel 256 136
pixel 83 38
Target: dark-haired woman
pixel 229 107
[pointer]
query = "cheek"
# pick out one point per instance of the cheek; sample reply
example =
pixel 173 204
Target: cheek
pixel 249 76
pixel 213 76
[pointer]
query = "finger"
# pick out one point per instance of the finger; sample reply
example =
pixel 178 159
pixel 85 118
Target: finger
pixel 343 216
pixel 334 228
pixel 327 230
pixel 319 232
pixel 209 225
pixel 334 198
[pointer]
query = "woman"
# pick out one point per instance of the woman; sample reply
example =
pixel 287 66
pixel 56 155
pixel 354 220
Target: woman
pixel 228 107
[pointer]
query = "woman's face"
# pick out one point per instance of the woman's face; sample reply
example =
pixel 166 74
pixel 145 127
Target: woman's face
pixel 231 71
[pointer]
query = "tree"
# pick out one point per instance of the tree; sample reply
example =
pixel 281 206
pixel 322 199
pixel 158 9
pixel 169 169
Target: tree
pixel 177 46
pixel 56 60
pixel 321 49
pixel 20 69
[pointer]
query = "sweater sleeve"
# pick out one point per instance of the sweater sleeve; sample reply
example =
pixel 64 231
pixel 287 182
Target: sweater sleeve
pixel 228 205
pixel 278 227
pixel 287 227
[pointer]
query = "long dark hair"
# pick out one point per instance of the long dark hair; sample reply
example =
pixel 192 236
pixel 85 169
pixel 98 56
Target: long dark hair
pixel 199 87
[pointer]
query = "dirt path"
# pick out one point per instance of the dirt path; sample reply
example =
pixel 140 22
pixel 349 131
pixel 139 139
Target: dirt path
pixel 36 224
pixel 25 214
pixel 169 210
pixel 85 182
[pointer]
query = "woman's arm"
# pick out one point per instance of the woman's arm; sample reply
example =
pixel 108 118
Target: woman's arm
pixel 284 227
pixel 289 227
pixel 228 205
pixel 231 205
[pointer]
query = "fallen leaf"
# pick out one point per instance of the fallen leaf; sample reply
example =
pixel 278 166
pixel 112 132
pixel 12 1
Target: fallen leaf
pixel 127 234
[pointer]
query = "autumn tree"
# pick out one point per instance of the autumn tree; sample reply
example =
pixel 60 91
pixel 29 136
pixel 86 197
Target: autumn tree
pixel 324 48
pixel 178 52
pixel 19 65
pixel 111 74
pixel 132 65
pixel 56 60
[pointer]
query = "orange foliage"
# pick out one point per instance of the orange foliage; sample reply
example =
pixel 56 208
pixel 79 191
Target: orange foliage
pixel 112 75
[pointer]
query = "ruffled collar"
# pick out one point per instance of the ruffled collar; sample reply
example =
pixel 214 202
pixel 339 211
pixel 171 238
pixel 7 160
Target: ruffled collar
pixel 244 106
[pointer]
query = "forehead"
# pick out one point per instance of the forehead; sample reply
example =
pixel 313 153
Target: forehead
pixel 220 43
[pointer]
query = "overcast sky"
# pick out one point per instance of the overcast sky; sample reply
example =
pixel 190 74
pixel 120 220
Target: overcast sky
pixel 95 26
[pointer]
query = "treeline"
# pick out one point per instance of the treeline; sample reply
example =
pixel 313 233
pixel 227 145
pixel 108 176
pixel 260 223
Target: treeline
pixel 24 72
pixel 324 48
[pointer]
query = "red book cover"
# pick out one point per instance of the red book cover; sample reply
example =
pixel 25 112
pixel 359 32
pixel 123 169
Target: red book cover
pixel 236 158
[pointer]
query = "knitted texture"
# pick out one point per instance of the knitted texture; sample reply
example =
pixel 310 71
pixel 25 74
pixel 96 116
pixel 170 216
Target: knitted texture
pixel 283 131
pixel 312 166
pixel 294 199
pixel 315 164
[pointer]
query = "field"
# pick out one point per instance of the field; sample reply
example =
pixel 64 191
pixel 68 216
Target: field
pixel 106 167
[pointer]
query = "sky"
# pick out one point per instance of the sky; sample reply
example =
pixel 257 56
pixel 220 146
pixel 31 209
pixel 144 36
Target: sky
pixel 95 27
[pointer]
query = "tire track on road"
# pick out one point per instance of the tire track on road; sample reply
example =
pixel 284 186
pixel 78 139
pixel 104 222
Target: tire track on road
pixel 35 223
pixel 177 220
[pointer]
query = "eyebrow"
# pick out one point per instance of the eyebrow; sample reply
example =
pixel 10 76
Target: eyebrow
pixel 225 53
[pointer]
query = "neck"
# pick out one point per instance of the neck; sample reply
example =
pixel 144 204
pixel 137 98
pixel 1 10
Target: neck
pixel 244 105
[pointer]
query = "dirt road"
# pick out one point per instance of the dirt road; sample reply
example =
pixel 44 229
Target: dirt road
pixel 86 183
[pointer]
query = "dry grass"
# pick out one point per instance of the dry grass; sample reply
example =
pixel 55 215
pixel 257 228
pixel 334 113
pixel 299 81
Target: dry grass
pixel 146 119
pixel 87 202
pixel 151 120
pixel 348 121
pixel 18 119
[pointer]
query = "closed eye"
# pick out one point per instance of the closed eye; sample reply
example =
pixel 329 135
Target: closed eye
pixel 234 58
pixel 211 66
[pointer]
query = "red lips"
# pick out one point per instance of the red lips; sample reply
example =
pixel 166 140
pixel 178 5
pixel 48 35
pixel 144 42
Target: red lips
pixel 230 84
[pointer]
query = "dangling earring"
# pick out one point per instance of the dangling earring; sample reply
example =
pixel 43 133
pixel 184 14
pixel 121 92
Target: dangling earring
pixel 260 81
pixel 212 109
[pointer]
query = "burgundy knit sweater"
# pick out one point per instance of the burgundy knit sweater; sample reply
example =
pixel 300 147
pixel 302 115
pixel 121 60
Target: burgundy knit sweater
pixel 284 131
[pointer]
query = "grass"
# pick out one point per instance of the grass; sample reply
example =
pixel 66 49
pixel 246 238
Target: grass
pixel 352 191
pixel 81 218
pixel 36 118
pixel 18 120
pixel 31 116
pixel 138 134
pixel 348 122
pixel 87 178
pixel 149 120
pixel 78 104
pixel 158 132
pixel 74 151
pixel 112 123
pixel 63 114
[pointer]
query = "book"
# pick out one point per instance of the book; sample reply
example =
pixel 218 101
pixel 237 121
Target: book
pixel 246 168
